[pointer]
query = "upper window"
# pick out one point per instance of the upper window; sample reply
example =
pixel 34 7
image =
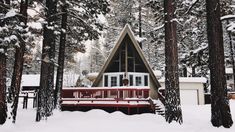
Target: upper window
pixel 113 81
pixel 138 81
pixel 134 79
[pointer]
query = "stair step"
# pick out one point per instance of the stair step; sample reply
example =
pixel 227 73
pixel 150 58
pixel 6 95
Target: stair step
pixel 161 113
pixel 157 108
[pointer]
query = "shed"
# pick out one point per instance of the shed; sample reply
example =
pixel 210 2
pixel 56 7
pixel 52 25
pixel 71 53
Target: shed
pixel 191 90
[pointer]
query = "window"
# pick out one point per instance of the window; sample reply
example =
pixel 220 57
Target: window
pixel 138 81
pixel 120 80
pixel 134 79
pixel 229 77
pixel 145 80
pixel 131 80
pixel 113 81
pixel 106 80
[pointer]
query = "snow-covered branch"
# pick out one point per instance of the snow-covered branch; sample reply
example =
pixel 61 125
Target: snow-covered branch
pixel 227 17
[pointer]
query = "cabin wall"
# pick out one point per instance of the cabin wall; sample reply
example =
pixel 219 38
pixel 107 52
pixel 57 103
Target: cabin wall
pixel 101 82
pixel 153 93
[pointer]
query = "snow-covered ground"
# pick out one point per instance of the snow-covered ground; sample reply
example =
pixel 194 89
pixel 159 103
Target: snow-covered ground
pixel 196 119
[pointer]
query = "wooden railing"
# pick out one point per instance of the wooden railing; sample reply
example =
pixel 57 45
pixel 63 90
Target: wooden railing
pixel 105 92
pixel 97 97
pixel 161 95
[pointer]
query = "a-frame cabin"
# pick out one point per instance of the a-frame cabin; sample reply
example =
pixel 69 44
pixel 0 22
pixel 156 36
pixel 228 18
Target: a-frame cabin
pixel 125 82
pixel 127 64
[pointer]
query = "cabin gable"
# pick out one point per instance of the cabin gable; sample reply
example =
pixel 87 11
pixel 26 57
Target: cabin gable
pixel 135 63
pixel 126 61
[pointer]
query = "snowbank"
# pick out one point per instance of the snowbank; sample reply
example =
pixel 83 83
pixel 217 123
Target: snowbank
pixel 196 119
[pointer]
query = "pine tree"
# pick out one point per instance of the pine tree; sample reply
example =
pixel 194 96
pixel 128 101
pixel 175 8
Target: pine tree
pixel 172 98
pixel 121 13
pixel 19 60
pixel 45 93
pixel 5 42
pixel 220 110
pixel 59 76
pixel 96 57
pixel 82 24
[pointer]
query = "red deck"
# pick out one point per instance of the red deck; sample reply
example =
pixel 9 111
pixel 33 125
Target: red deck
pixel 127 99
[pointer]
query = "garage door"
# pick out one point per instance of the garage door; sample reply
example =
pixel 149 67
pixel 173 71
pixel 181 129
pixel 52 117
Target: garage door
pixel 189 97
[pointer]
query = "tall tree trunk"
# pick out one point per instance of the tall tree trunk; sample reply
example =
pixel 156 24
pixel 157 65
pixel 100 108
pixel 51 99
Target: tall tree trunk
pixel 60 69
pixel 220 110
pixel 231 55
pixel 140 22
pixel 172 99
pixel 3 58
pixel 19 60
pixel 3 105
pixel 46 92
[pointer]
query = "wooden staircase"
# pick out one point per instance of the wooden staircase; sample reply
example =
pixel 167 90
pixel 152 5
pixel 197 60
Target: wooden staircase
pixel 159 108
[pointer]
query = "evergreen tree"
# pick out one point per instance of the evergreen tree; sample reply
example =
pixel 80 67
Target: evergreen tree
pixel 45 93
pixel 7 40
pixel 83 24
pixel 220 110
pixel 121 13
pixel 96 57
pixel 59 76
pixel 19 60
pixel 172 98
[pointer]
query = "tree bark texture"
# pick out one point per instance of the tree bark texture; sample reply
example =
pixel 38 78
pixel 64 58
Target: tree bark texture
pixel 19 60
pixel 172 98
pixel 220 109
pixel 46 92
pixel 60 69
pixel 231 48
pixel 3 104
pixel 3 58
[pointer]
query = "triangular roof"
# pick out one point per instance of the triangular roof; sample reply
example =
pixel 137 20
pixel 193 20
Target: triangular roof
pixel 126 31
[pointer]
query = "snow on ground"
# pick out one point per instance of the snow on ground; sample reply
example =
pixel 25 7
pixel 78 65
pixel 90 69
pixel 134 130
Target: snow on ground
pixel 196 119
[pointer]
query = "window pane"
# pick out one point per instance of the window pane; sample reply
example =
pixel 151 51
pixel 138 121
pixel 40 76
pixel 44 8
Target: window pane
pixel 138 81
pixel 106 80
pixel 113 81
pixel 120 80
pixel 145 80
pixel 131 80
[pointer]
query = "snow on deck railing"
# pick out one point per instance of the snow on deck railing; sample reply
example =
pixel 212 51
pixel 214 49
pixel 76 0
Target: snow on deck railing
pixel 107 88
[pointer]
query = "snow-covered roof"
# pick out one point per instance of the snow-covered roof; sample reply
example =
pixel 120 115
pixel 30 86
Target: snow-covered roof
pixel 30 80
pixel 157 73
pixel 188 79
pixel 34 79
pixel 92 76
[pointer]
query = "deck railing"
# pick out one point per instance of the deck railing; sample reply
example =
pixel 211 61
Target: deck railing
pixel 105 92
pixel 131 98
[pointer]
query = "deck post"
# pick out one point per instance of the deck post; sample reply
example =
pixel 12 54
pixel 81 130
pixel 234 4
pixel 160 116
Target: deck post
pixel 137 93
